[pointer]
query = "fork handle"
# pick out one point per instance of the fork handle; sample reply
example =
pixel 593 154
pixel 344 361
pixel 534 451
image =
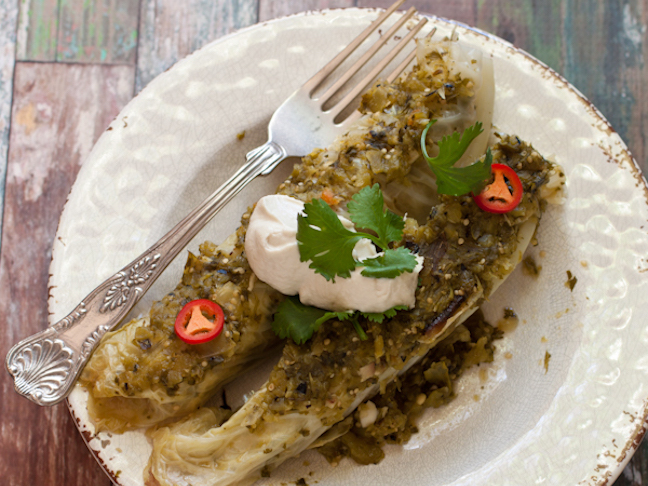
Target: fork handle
pixel 46 365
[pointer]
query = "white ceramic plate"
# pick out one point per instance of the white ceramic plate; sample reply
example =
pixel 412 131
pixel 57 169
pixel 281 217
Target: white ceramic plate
pixel 576 422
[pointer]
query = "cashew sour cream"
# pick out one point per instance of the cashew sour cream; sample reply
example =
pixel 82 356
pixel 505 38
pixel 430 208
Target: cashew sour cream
pixel 271 249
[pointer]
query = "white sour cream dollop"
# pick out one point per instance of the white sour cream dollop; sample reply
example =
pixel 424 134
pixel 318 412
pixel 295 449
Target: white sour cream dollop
pixel 271 249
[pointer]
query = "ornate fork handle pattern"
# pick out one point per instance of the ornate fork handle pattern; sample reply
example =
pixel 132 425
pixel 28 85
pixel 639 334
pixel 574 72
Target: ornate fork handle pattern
pixel 46 365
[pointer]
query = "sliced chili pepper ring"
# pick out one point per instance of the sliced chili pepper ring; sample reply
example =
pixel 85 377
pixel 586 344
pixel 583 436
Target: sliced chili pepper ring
pixel 193 327
pixel 503 194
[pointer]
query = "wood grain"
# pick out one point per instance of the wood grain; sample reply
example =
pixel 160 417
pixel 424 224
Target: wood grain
pixel 58 113
pixel 610 68
pixel 170 30
pixel 8 20
pixel 518 24
pixel 37 30
pixel 102 31
pixel 461 10
pixel 273 9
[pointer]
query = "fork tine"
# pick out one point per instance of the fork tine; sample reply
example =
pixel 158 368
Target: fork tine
pixel 365 57
pixel 401 67
pixel 368 79
pixel 391 78
pixel 321 75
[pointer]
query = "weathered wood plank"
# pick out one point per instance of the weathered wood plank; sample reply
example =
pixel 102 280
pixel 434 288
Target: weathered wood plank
pixel 636 472
pixel 170 30
pixel 37 30
pixel 609 68
pixel 271 9
pixel 103 31
pixel 518 23
pixel 58 112
pixel 461 10
pixel 8 20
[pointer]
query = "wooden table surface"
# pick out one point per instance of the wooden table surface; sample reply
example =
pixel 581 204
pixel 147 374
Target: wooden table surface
pixel 67 67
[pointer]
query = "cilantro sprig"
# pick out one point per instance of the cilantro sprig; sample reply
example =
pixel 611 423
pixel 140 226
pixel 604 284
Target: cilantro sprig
pixel 299 322
pixel 328 245
pixel 457 181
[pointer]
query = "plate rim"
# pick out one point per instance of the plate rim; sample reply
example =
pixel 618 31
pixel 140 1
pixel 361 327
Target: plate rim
pixel 633 442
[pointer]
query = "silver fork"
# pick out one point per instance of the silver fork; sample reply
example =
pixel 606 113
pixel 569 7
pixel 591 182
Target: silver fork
pixel 46 365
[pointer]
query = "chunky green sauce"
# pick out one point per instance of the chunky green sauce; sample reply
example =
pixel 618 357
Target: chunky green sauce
pixel 430 383
pixel 166 360
pixel 463 247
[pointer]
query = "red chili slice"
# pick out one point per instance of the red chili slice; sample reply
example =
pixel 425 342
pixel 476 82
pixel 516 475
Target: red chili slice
pixel 193 327
pixel 503 194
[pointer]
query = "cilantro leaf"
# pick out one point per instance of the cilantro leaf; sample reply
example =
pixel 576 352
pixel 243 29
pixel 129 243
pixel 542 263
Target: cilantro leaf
pixel 454 180
pixel 451 147
pixel 361 333
pixel 299 322
pixel 296 321
pixel 322 238
pixel 451 180
pixel 341 316
pixel 379 317
pixel 389 265
pixel 346 316
pixel 366 212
